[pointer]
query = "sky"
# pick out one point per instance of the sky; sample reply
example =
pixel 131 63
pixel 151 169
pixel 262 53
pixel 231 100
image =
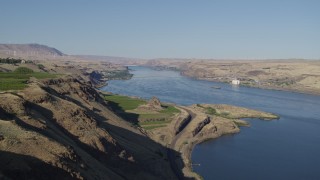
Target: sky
pixel 240 29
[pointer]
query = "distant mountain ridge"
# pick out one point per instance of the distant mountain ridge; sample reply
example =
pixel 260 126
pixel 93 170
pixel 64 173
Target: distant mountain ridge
pixel 29 49
pixel 39 51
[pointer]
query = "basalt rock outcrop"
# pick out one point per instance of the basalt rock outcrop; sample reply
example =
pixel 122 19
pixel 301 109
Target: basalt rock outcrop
pixel 184 122
pixel 200 126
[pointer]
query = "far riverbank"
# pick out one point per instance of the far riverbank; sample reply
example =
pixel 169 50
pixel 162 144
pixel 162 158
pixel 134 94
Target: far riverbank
pixel 302 76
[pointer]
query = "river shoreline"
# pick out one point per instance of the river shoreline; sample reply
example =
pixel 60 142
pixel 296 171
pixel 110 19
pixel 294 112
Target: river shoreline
pixel 275 88
pixel 308 92
pixel 188 153
pixel 289 84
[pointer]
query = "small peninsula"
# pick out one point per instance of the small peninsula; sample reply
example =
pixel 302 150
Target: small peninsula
pixel 180 128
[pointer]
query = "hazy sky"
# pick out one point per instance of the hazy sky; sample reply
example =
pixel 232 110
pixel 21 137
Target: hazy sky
pixel 167 28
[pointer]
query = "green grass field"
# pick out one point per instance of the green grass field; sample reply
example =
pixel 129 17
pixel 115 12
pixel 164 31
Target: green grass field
pixel 153 123
pixel 12 84
pixel 125 102
pixel 153 127
pixel 18 81
pixel 170 110
pixel 148 125
pixel 124 106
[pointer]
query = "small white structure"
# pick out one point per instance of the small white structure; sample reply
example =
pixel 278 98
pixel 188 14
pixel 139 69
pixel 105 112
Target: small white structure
pixel 23 61
pixel 235 82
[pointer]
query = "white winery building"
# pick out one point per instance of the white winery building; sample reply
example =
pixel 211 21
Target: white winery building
pixel 235 82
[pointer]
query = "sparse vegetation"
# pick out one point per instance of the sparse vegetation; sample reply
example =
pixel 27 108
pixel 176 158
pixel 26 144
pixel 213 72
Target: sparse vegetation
pixel 224 114
pixel 211 111
pixel 153 127
pixel 41 66
pixel 153 123
pixel 12 61
pixel 240 123
pixel 208 110
pixel 23 70
pixel 170 110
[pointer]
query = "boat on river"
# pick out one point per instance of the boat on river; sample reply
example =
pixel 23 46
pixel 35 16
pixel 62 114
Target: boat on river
pixel 216 87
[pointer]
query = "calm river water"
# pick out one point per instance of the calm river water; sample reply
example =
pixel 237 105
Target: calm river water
pixel 288 148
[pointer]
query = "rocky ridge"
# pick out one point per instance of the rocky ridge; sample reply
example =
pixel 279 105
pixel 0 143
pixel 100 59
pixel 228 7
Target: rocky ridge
pixel 64 127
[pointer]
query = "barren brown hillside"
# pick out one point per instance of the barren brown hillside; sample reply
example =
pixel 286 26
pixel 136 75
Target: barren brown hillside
pixel 63 127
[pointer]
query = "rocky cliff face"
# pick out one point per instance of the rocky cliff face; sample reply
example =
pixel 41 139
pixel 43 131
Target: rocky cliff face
pixel 64 128
pixel 200 126
pixel 184 122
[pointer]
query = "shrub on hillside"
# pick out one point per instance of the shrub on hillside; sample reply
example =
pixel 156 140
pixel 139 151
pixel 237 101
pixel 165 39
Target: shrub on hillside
pixel 23 70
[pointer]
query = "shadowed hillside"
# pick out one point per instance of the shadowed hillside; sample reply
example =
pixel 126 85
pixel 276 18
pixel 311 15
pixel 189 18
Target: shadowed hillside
pixel 63 126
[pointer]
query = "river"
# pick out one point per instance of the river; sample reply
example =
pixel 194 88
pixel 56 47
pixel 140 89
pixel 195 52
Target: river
pixel 288 148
